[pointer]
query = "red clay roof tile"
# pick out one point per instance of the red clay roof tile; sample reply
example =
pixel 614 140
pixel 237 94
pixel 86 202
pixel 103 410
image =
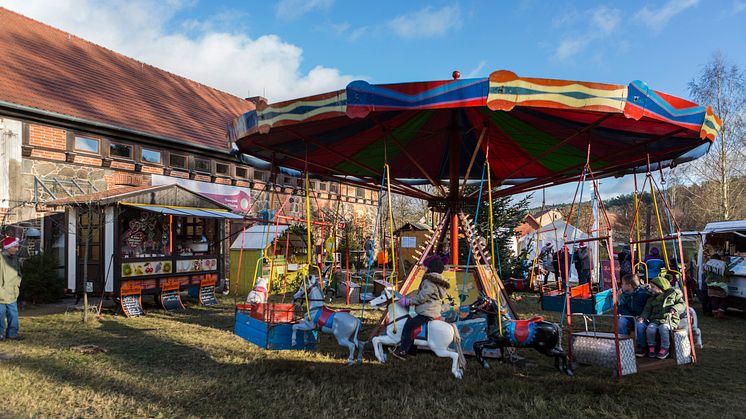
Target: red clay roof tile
pixel 45 68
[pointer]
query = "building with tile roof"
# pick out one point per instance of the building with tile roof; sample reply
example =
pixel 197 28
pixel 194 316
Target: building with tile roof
pixel 78 119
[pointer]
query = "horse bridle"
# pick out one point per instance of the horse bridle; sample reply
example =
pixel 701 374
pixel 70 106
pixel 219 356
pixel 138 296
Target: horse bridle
pixel 308 290
pixel 488 302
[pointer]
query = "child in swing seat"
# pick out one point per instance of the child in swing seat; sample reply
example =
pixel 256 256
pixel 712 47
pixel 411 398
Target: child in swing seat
pixel 630 306
pixel 663 312
pixel 427 304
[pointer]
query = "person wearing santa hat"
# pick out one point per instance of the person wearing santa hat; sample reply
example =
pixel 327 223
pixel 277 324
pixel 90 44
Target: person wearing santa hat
pixel 10 283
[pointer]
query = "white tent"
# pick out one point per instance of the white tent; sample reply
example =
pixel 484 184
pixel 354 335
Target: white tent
pixel 550 233
pixel 258 236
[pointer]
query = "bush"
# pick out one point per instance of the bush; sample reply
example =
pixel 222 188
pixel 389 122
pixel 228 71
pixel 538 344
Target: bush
pixel 40 280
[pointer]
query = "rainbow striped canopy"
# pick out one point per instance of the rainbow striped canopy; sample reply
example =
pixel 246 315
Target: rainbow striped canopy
pixel 535 132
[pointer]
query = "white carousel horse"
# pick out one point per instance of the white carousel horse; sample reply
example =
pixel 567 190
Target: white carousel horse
pixel 343 325
pixel 439 334
pixel 259 294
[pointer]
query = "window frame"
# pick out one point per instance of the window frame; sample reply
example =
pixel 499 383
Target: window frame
pixel 143 161
pixel 200 159
pixel 227 169
pixel 75 148
pixel 183 156
pixel 245 170
pixel 118 143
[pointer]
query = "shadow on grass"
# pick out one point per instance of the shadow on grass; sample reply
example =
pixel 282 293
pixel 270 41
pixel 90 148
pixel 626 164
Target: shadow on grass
pixel 189 364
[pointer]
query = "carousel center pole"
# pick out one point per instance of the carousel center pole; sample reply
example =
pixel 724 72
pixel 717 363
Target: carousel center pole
pixel 453 192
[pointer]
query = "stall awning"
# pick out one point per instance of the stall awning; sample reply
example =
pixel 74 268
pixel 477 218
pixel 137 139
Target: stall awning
pixel 186 211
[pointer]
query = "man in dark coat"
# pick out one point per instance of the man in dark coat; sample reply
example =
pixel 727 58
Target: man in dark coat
pixel 582 258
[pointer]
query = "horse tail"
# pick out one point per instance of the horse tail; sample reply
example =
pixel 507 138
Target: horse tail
pixel 457 341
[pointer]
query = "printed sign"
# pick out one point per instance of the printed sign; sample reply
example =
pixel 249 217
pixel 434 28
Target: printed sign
pixel 196 265
pixel 606 272
pixel 131 306
pixel 155 267
pixel 235 197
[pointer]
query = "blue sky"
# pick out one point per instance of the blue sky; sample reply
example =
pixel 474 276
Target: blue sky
pixel 292 48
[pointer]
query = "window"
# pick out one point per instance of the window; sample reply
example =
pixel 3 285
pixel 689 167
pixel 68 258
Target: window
pixel 88 145
pixel 150 156
pixel 322 186
pixel 334 188
pixel 202 165
pixel 222 169
pixel 242 172
pixel 259 175
pixel 120 150
pixel 360 193
pixel 177 160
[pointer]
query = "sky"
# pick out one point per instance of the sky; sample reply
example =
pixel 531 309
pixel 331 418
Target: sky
pixel 292 48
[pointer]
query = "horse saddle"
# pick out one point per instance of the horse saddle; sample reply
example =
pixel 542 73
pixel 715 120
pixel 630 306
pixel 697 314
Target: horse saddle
pixel 522 332
pixel 325 317
pixel 420 332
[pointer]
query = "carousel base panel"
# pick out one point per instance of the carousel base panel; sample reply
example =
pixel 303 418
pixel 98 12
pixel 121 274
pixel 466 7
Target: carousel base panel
pixel 273 336
pixel 599 349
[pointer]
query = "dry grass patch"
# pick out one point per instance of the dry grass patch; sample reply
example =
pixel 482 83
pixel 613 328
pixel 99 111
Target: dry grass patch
pixel 191 365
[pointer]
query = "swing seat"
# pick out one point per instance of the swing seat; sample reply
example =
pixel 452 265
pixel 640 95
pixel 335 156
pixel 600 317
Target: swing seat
pixel 581 301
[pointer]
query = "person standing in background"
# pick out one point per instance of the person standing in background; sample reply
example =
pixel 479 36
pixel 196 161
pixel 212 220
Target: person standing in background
pixel 10 283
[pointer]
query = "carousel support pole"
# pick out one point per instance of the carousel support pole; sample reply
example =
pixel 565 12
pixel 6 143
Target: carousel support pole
pixel 454 239
pixel 454 158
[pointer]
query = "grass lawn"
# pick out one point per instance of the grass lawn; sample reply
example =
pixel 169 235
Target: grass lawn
pixel 190 364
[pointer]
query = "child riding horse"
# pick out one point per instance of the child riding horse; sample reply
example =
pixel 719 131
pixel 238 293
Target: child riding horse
pixel 427 304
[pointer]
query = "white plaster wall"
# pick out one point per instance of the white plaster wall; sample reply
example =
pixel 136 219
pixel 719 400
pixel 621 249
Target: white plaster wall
pixel 10 157
pixel 72 237
pixel 109 249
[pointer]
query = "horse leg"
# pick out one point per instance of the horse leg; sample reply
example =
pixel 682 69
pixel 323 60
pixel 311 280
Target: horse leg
pixel 303 326
pixel 446 353
pixel 344 341
pixel 378 343
pixel 479 348
pixel 440 336
pixel 560 355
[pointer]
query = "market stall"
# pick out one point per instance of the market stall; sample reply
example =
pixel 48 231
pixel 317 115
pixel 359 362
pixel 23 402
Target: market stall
pixel 143 238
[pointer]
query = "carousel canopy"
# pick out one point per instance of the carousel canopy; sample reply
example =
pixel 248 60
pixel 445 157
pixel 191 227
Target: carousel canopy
pixel 535 132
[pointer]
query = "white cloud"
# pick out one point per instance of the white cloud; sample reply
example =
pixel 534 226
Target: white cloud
pixel 738 6
pixel 606 19
pixel 346 31
pixel 570 46
pixel 293 9
pixel 357 33
pixel 602 22
pixel 477 71
pixel 658 18
pixel 233 62
pixel 427 23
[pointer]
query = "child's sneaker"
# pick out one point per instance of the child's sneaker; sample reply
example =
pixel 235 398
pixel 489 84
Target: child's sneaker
pixel 640 352
pixel 651 351
pixel 398 353
pixel 662 354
